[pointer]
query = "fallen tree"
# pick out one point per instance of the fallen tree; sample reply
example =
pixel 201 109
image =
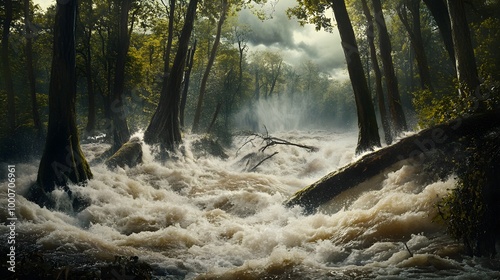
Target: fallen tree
pixel 256 159
pixel 418 147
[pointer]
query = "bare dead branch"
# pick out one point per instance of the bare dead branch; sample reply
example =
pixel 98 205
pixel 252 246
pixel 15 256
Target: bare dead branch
pixel 271 141
pixel 260 162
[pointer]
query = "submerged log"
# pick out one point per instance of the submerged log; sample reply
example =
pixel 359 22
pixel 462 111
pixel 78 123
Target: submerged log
pixel 418 147
pixel 129 154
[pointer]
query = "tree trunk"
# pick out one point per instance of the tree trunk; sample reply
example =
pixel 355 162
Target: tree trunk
pixel 211 60
pixel 121 133
pixel 29 69
pixel 464 53
pixel 62 160
pixel 168 49
pixel 275 78
pixel 256 92
pixel 440 14
pixel 187 78
pixel 410 148
pixel 394 100
pixel 413 6
pixel 91 114
pixel 214 117
pixel 367 121
pixel 7 72
pixel 164 127
pixel 379 91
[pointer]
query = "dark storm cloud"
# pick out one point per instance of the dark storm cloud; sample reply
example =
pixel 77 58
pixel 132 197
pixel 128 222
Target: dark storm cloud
pixel 277 30
pixel 297 43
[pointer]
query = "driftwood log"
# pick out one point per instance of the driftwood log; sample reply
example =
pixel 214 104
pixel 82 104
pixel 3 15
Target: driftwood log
pixel 419 147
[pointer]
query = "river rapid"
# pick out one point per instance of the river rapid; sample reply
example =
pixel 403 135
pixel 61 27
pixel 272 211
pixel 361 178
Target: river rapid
pixel 202 217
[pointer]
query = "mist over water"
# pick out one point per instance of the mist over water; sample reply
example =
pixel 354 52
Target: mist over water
pixel 283 112
pixel 201 217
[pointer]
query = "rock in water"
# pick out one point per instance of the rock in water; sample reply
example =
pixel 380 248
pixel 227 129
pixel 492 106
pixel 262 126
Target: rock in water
pixel 130 154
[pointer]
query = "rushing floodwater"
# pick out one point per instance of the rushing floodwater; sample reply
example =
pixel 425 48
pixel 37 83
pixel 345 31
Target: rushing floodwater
pixel 201 217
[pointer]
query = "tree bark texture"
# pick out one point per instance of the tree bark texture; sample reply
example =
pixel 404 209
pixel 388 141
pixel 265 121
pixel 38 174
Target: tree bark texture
pixel 62 160
pixel 379 91
pixel 164 127
pixel 394 100
pixel 6 70
pixel 410 148
pixel 465 61
pixel 367 122
pixel 121 133
pixel 211 60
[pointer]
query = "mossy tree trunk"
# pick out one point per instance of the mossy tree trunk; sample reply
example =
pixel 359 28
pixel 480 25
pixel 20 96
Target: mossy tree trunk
pixel 164 128
pixel 62 160
pixel 367 122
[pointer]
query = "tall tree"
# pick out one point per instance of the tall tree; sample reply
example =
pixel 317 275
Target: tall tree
pixel 187 78
pixel 88 28
pixel 164 127
pixel 274 63
pixel 29 67
pixel 170 36
pixel 121 133
pixel 440 14
pixel 409 14
pixel 6 69
pixel 314 12
pixel 62 160
pixel 379 91
pixel 464 53
pixel 367 123
pixel 223 8
pixel 394 100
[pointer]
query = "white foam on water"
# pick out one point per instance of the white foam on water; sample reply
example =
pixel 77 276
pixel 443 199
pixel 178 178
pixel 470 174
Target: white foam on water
pixel 200 216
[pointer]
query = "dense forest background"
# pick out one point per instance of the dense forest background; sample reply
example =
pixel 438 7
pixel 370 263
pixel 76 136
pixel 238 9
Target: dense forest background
pixel 237 76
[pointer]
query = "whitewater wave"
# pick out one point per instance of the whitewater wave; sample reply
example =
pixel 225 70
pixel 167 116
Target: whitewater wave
pixel 203 217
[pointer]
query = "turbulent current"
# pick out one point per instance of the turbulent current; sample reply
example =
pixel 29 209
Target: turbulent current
pixel 202 217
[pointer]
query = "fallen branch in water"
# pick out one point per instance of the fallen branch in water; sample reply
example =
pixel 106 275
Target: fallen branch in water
pixel 266 141
pixel 260 162
pixel 272 141
pixel 408 249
